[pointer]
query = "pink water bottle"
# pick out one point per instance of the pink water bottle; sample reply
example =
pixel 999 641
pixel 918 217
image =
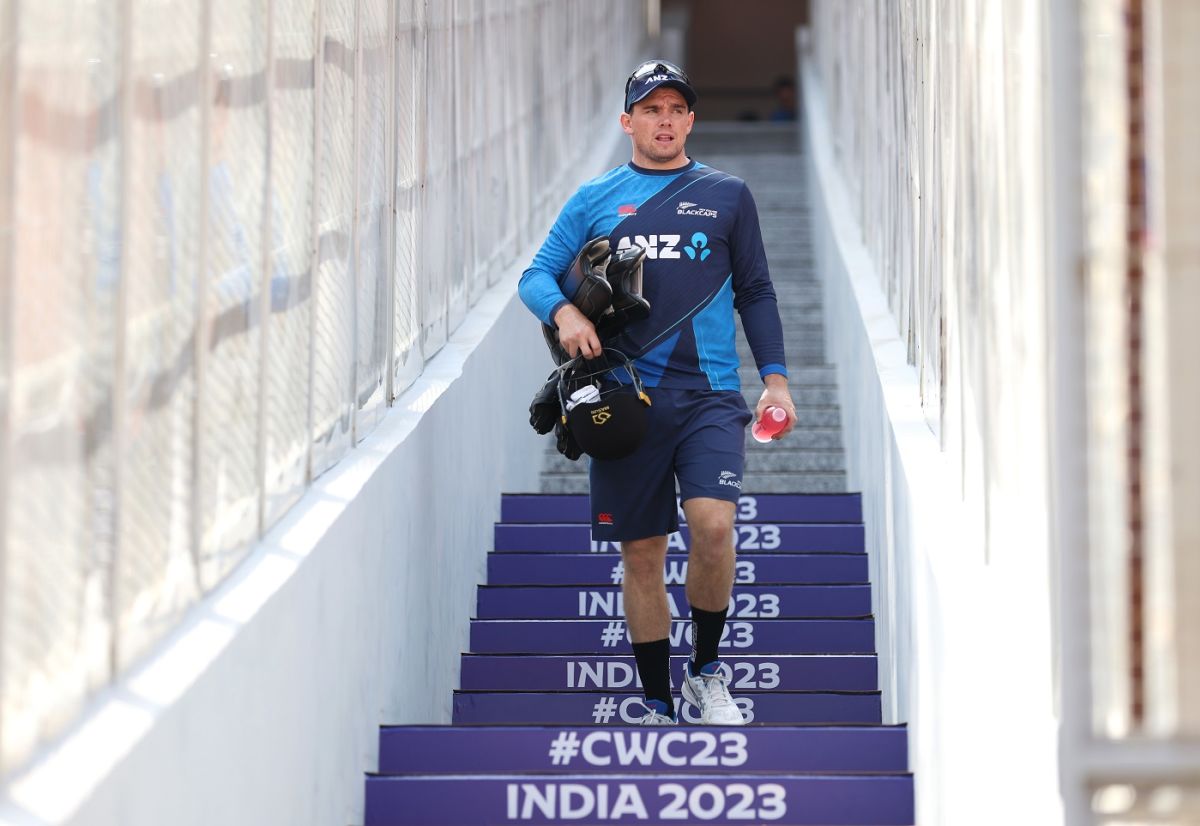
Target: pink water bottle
pixel 774 419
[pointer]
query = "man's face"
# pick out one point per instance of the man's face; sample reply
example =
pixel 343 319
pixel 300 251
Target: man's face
pixel 659 125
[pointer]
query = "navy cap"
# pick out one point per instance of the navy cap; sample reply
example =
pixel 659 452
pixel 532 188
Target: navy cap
pixel 654 73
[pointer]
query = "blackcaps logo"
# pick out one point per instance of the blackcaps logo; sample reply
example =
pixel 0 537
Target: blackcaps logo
pixel 690 208
pixel 729 479
pixel 601 415
pixel 699 246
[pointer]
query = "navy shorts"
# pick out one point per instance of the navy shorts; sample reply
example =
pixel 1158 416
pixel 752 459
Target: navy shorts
pixel 697 436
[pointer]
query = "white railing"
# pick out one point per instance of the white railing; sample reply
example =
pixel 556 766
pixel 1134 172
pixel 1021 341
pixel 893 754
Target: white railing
pixel 230 234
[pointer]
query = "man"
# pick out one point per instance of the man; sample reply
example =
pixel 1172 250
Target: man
pixel 785 100
pixel 704 259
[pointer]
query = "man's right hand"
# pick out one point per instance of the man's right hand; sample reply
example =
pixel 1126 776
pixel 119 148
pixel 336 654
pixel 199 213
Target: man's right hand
pixel 575 333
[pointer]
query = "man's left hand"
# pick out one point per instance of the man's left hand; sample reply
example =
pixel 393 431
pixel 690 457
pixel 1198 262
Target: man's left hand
pixel 776 394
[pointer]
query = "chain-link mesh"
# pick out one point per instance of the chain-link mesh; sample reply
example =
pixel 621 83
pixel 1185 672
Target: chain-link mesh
pixel 231 355
pixel 373 284
pixel 886 106
pixel 970 133
pixel 156 576
pixel 407 126
pixel 224 229
pixel 939 139
pixel 8 114
pixel 333 332
pixel 289 324
pixel 60 508
pixel 437 140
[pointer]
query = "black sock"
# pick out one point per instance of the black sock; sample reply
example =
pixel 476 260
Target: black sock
pixel 707 628
pixel 654 667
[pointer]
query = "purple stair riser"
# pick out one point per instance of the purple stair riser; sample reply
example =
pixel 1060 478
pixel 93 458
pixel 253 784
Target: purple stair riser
pixel 766 507
pixel 511 749
pixel 483 672
pixel 870 800
pixel 785 538
pixel 578 708
pixel 849 636
pixel 511 568
pixel 748 602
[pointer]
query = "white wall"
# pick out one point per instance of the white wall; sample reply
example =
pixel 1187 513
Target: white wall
pixel 264 706
pixel 964 624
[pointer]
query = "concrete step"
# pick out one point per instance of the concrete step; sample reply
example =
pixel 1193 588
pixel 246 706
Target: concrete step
pixel 787 292
pixel 795 333
pixel 799 288
pixel 809 312
pixel 488 749
pixel 794 537
pixel 806 298
pixel 814 482
pixel 771 458
pixel 792 252
pixel 816 374
pixel 604 569
pixel 803 439
pixel 791 482
pixel 567 708
pixel 808 395
pixel 797 285
pixel 791 292
pixel 774 457
pixel 611 636
pixel 799 359
pixel 783 225
pixel 784 798
pixel 811 350
pixel 797 377
pixel 777 457
pixel 542 508
pixel 800 440
pixel 796 276
pixel 749 601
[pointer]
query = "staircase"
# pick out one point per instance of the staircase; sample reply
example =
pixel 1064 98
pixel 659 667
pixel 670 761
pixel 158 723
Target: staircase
pixel 549 689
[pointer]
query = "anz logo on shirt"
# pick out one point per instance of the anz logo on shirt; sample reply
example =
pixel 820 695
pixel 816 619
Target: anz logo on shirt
pixel 667 246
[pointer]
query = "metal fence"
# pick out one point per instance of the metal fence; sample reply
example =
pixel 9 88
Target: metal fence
pixel 942 114
pixel 230 234
pixel 938 132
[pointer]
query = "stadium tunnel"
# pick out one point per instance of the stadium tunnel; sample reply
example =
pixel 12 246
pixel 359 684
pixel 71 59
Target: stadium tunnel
pixel 267 482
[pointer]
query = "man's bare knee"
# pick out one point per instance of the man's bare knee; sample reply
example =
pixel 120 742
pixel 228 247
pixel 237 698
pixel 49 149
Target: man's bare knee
pixel 710 523
pixel 644 558
pixel 712 540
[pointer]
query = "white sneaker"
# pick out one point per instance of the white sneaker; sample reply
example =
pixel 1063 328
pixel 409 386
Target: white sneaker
pixel 656 714
pixel 708 693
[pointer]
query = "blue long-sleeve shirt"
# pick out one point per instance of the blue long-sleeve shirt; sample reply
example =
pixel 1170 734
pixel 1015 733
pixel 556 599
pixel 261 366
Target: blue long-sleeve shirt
pixel 704 259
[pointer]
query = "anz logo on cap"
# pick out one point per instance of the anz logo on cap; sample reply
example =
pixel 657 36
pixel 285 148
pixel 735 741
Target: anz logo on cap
pixel 656 78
